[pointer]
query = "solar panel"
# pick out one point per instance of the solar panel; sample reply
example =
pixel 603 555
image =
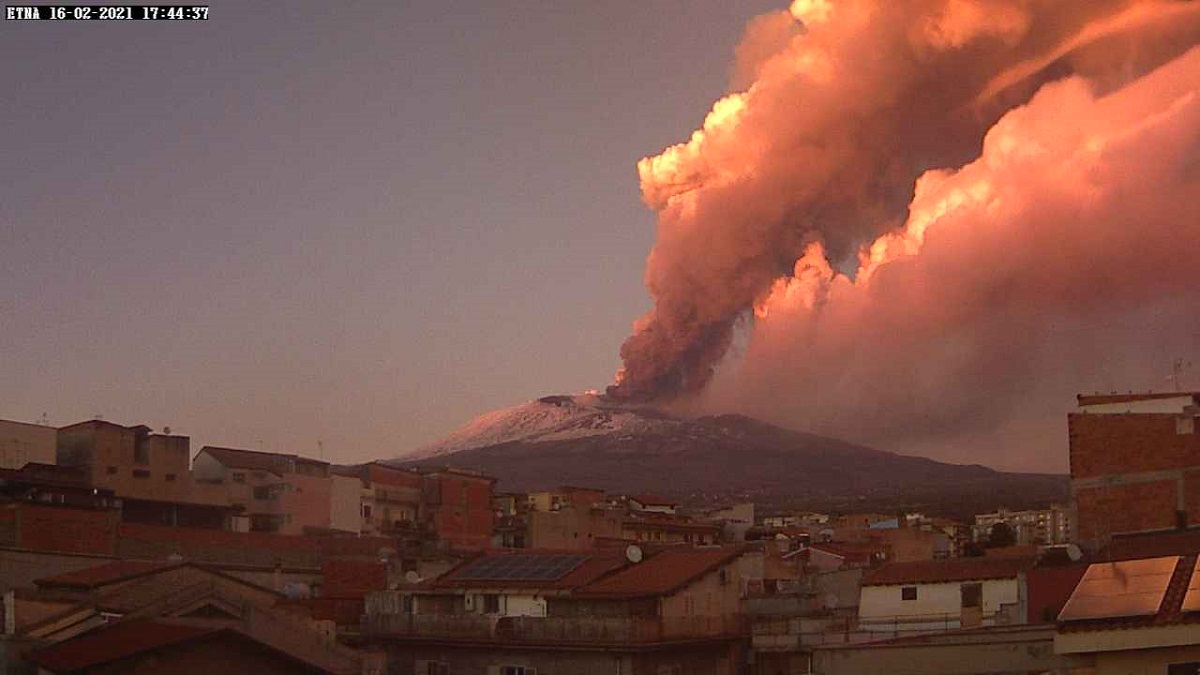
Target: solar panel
pixel 1191 600
pixel 1118 589
pixel 521 567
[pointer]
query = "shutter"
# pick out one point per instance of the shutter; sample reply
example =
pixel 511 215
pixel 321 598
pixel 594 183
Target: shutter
pixel 493 670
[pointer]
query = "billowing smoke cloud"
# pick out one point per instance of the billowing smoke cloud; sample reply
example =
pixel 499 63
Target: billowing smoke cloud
pixel 1063 256
pixel 844 105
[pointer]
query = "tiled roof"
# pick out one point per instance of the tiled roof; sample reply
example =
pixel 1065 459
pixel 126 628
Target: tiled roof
pixel 855 553
pixel 118 641
pixel 652 500
pixel 597 564
pixel 101 575
pixel 957 569
pixel 1099 399
pixel 662 573
pixel 254 460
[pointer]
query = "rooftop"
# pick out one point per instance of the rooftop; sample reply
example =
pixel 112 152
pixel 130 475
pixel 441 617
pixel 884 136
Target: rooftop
pixel 953 570
pixel 1155 602
pixel 255 460
pixel 118 641
pixel 662 573
pixel 1102 399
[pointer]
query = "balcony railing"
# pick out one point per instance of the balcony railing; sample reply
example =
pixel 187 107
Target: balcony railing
pixel 552 630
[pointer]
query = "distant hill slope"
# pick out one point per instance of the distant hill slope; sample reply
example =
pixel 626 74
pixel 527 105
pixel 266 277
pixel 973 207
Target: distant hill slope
pixel 583 440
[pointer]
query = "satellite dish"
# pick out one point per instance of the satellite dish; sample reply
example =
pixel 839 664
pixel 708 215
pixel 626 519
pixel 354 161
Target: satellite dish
pixel 1074 553
pixel 634 554
pixel 412 577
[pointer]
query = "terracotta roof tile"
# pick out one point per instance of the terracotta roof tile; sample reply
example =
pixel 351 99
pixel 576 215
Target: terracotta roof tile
pixel 100 575
pixel 652 500
pixel 118 641
pixel 662 573
pixel 957 569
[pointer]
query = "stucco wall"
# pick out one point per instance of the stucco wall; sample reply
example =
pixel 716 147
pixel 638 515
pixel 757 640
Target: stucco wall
pixel 885 603
pixel 21 443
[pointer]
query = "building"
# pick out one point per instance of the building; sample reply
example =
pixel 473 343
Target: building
pixel 567 495
pixel 1033 527
pixel 148 472
pixel 571 528
pixel 1135 464
pixel 1134 616
pixel 22 443
pixel 273 492
pixel 458 507
pixel 140 617
pixel 652 504
pixel 944 594
pixel 676 611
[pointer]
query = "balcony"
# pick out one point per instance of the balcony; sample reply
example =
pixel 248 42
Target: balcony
pixel 553 630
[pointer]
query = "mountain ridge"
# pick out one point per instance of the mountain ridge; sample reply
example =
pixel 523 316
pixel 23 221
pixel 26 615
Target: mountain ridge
pixel 587 440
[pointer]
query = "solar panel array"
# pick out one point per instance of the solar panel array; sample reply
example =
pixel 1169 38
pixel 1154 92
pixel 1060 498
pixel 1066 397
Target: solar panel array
pixel 1191 600
pixel 1120 589
pixel 521 567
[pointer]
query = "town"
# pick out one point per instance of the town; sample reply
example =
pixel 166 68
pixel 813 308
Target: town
pixel 122 551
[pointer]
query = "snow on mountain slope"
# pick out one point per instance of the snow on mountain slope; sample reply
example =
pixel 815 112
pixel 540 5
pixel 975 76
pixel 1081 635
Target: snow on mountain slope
pixel 550 418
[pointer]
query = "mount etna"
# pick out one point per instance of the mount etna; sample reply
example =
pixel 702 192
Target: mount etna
pixel 592 441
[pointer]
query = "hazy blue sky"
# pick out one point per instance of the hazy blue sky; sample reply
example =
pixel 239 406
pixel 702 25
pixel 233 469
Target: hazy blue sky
pixel 355 223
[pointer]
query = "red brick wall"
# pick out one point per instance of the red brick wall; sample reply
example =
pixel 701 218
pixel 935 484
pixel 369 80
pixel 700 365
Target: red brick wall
pixel 1109 444
pixel 1136 507
pixel 66 530
pixel 351 578
pixel 258 548
pixel 1049 588
pixel 462 515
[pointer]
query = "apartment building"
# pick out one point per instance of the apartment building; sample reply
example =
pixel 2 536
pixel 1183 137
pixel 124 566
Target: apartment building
pixel 676 611
pixel 22 443
pixel 1031 527
pixel 281 493
pixel 148 472
pixel 1134 464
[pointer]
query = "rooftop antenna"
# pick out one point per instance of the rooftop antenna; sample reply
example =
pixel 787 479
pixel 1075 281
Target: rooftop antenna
pixel 320 450
pixel 45 421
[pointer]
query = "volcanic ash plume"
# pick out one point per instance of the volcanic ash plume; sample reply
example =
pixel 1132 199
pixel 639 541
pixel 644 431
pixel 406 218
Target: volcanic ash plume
pixel 845 105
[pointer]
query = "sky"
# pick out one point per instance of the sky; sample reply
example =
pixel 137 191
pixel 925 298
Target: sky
pixel 341 230
pixel 335 229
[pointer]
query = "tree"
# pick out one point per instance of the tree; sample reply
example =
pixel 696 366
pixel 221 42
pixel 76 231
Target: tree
pixel 1001 535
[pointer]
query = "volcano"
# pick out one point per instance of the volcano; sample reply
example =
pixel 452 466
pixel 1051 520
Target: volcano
pixel 595 441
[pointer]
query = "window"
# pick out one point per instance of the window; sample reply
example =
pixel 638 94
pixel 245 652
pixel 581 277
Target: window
pixel 366 511
pixel 169 477
pixel 432 668
pixel 517 670
pixel 141 473
pixel 908 593
pixel 141 450
pixel 111 470
pixel 239 477
pixel 972 595
pixel 491 604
